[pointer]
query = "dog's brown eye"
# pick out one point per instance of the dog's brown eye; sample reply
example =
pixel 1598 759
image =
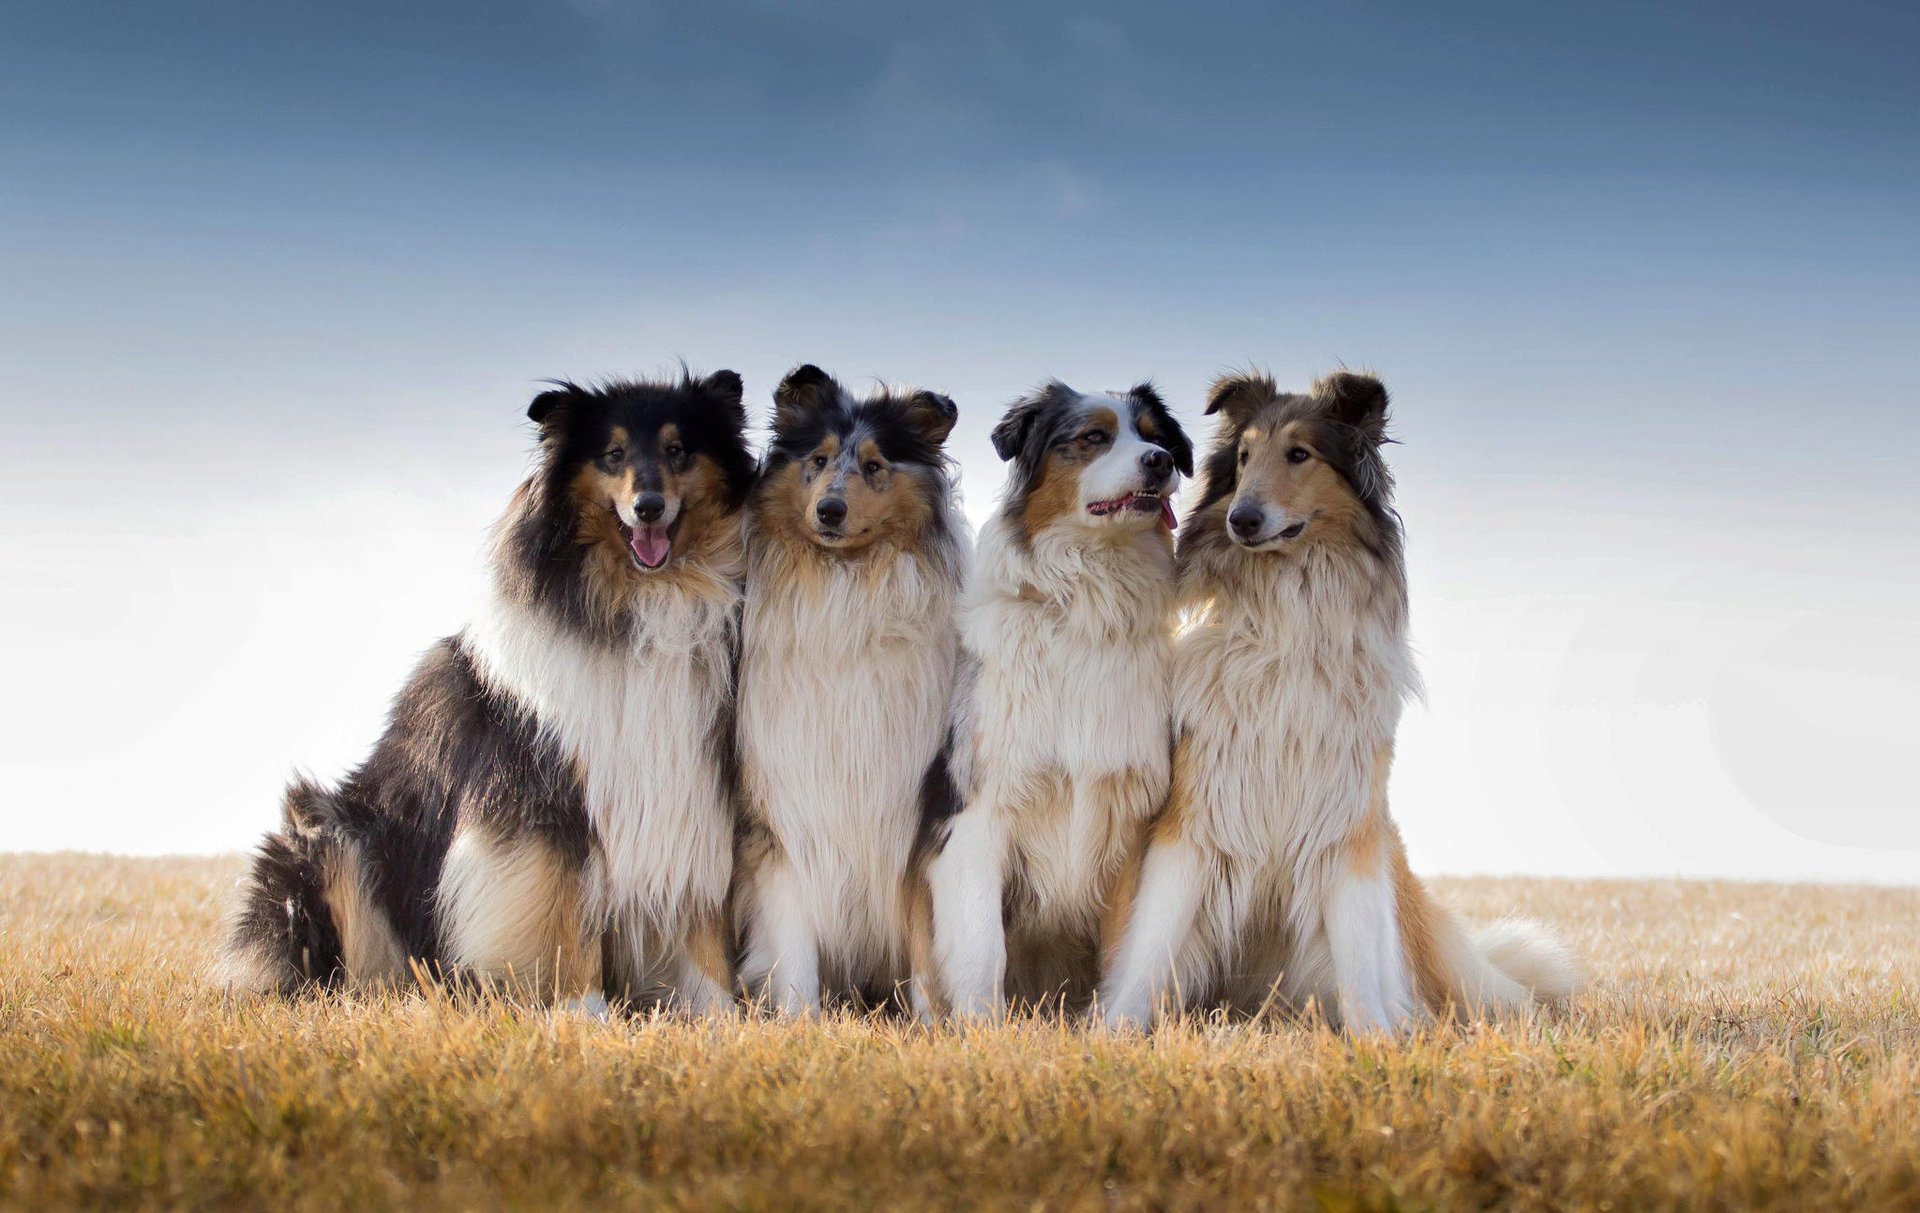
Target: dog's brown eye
pixel 1244 456
pixel 819 461
pixel 872 467
pixel 675 450
pixel 614 456
pixel 1299 454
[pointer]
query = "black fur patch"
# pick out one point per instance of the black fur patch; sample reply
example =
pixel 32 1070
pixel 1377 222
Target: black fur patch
pixel 1034 424
pixel 542 566
pixel 909 426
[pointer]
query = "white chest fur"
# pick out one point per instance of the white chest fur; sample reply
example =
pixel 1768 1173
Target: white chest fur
pixel 845 679
pixel 1068 717
pixel 636 720
pixel 1286 693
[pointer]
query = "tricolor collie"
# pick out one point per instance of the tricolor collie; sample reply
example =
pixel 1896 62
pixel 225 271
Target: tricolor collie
pixel 550 808
pixel 1275 871
pixel 1061 722
pixel 856 555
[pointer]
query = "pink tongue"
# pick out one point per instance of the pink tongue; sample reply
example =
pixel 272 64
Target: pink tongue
pixel 650 544
pixel 1166 514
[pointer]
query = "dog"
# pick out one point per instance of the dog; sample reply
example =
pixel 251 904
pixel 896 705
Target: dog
pixel 1061 733
pixel 1275 870
pixel 856 555
pixel 551 809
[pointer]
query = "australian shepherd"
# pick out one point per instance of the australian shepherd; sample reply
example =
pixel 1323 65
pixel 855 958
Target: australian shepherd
pixel 1275 872
pixel 551 807
pixel 1061 721
pixel 856 554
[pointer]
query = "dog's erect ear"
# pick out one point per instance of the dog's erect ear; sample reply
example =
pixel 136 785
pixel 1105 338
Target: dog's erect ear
pixel 726 389
pixel 1240 396
pixel 805 391
pixel 1356 400
pixel 1146 398
pixel 1011 435
pixel 933 415
pixel 548 406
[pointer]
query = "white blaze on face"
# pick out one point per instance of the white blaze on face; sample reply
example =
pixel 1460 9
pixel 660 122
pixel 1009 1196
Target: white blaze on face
pixel 651 542
pixel 1118 471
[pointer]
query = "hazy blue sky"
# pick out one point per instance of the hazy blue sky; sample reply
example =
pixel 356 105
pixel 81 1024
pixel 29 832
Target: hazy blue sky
pixel 280 279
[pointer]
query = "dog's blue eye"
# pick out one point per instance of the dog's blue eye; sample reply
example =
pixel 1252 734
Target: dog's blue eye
pixel 1094 437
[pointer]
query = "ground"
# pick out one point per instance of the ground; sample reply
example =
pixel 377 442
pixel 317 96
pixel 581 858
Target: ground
pixel 1741 1046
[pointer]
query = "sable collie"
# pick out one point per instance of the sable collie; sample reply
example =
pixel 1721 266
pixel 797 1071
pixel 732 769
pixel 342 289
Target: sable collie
pixel 551 806
pixel 856 553
pixel 1275 869
pixel 1061 720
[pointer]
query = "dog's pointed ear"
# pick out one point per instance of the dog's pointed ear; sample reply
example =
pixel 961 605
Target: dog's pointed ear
pixel 549 406
pixel 1356 400
pixel 726 389
pixel 805 391
pixel 1240 396
pixel 933 415
pixel 1016 426
pixel 1167 431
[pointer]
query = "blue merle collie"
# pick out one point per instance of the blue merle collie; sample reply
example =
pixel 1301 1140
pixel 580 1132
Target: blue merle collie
pixel 856 553
pixel 1062 738
pixel 551 807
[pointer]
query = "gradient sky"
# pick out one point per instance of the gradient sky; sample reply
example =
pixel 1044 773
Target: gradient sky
pixel 280 279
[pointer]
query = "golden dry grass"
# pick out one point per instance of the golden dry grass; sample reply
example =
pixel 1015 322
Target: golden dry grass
pixel 1744 1046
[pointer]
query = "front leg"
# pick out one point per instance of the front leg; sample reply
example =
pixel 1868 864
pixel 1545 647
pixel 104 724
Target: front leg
pixel 782 961
pixel 1156 964
pixel 967 879
pixel 702 977
pixel 1373 987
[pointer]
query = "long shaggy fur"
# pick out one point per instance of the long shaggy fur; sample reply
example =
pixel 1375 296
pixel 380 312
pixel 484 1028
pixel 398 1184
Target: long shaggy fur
pixel 1061 714
pixel 1276 871
pixel 551 806
pixel 846 671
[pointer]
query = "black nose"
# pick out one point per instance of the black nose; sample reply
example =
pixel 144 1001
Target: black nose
pixel 1245 520
pixel 831 511
pixel 649 506
pixel 1157 461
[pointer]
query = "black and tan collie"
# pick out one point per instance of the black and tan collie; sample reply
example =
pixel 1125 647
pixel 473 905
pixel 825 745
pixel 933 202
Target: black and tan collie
pixel 1061 724
pixel 551 806
pixel 856 552
pixel 1276 873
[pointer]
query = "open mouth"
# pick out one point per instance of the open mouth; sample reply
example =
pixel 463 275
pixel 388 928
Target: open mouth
pixel 1145 501
pixel 650 542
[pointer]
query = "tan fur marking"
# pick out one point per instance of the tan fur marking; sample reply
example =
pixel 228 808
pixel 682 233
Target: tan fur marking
pixel 373 954
pixel 916 898
pixel 517 917
pixel 1122 892
pixel 1171 821
pixel 1419 931
pixel 706 945
pixel 1312 490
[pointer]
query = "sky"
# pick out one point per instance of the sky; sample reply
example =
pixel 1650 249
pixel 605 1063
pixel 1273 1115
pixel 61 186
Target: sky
pixel 280 279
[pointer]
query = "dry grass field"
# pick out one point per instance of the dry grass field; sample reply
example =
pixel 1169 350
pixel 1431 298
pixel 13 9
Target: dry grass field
pixel 1743 1046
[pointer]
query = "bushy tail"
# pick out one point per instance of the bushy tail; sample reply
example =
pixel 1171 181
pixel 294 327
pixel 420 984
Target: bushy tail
pixel 1507 965
pixel 281 932
pixel 1533 956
